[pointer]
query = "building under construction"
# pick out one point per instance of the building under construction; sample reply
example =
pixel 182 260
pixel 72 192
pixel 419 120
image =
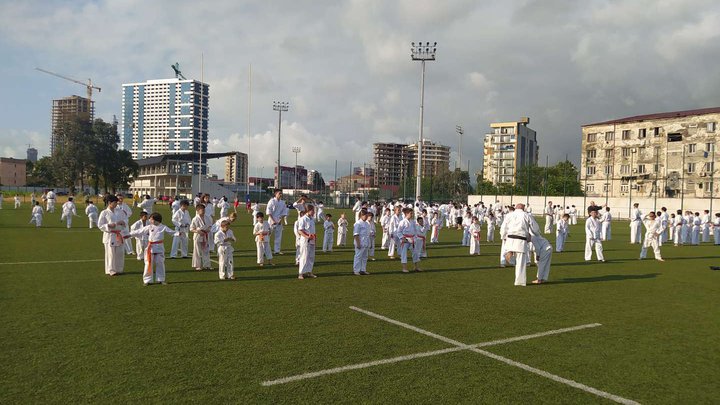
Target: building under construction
pixel 65 110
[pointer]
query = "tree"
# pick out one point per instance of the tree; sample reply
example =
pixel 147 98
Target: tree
pixel 73 152
pixel 44 172
pixel 123 169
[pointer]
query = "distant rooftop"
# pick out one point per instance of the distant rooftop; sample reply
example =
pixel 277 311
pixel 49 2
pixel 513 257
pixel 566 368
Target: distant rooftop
pixel 659 116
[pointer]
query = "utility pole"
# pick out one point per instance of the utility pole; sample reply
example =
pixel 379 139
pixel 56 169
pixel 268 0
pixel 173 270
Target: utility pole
pixel 460 132
pixel 296 150
pixel 279 106
pixel 421 53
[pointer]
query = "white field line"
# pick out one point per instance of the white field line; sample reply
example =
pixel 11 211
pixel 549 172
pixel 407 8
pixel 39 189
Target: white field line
pixel 54 262
pixel 458 346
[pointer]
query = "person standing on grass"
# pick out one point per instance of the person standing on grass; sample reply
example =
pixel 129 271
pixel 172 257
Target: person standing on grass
pixel 549 217
pixel 636 224
pixel 653 230
pixel 50 198
pixel 306 229
pixel 175 206
pixel 421 229
pixel 112 224
pixel 592 236
pixel 125 212
pixel 678 223
pixel 154 233
pixel 475 230
pixel 298 238
pixel 342 230
pixel 141 242
pixel 384 222
pixel 543 256
pixel 92 213
pixel 696 229
pixel 200 227
pixel 668 225
pixel 392 230
pixel 515 231
pixel 716 228
pixel 562 233
pixel 147 204
pixel 360 242
pixel 68 212
pixel 261 230
pixel 224 238
pixel 329 228
pixel 606 225
pixel 436 223
pixel 406 234
pixel 705 222
pixel 371 236
pixel 181 220
pixel 274 211
pixel 17 201
pixel 37 215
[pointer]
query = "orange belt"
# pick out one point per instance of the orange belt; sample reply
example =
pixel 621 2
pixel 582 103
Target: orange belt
pixel 148 256
pixel 119 237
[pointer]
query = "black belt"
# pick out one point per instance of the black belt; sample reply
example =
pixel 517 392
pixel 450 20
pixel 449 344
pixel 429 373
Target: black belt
pixel 517 237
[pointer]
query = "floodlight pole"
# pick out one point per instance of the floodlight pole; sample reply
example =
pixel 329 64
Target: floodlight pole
pixel 296 150
pixel 279 106
pixel 421 53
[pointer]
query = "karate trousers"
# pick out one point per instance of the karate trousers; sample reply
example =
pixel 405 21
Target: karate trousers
pixel 114 259
pixel 156 268
pixel 654 244
pixel 360 259
pixel 307 256
pixel 277 235
pixel 225 260
pixel 589 243
pixel 544 257
pixel 327 242
pixel 263 251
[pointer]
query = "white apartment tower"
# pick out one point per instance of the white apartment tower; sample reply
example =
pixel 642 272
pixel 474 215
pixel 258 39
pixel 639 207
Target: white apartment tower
pixel 509 147
pixel 167 116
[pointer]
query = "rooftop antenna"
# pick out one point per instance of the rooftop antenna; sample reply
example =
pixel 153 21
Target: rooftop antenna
pixel 178 74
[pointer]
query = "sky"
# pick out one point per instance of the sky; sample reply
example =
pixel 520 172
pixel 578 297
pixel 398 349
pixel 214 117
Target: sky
pixel 345 68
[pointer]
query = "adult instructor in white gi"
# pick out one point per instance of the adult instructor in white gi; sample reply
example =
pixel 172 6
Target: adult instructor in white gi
pixel 515 230
pixel 275 211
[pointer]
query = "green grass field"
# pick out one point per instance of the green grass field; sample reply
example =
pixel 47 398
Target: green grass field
pixel 70 334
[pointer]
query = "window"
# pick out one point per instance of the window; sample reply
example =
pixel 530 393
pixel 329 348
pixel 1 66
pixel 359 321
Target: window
pixel 709 147
pixel 608 170
pixel 626 134
pixel 691 167
pixel 674 137
pixel 625 152
pixel 608 153
pixel 591 153
pixel 641 169
pixel 625 169
pixel 642 133
pixel 711 126
pixel 606 187
pixel 692 147
pixel 709 167
pixel 589 188
pixel 656 131
pixel 591 137
pixel 590 170
pixel 624 188
pixel 609 136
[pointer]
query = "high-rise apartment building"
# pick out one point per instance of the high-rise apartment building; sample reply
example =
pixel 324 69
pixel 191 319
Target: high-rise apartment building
pixel 236 168
pixel 32 154
pixel 392 165
pixel 65 110
pixel 167 116
pixel 509 146
pixel 435 158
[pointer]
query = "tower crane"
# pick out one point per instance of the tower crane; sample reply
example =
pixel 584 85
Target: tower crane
pixel 89 85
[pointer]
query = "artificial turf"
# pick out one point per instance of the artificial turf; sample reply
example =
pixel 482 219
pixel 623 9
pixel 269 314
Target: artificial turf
pixel 71 334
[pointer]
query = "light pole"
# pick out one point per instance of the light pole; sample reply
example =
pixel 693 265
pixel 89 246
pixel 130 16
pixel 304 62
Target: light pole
pixel 421 53
pixel 296 150
pixel 632 155
pixel 279 106
pixel 460 132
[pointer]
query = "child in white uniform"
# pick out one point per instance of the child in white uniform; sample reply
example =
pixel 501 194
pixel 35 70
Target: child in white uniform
pixel 421 229
pixel 436 223
pixel 37 215
pixel 716 228
pixel 653 230
pixel 68 212
pixel 17 201
pixel 475 230
pixel 371 236
pixel 92 213
pixel 405 234
pixel 200 227
pixel 562 233
pixel 261 230
pixel 342 230
pixel 360 243
pixel 224 238
pixel 141 242
pixel 329 228
pixel 181 220
pixel 155 250
pixel 384 223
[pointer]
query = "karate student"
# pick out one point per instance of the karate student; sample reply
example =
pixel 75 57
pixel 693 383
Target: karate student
pixel 436 224
pixel 224 206
pixel 515 232
pixel 141 242
pixel 606 225
pixel 111 223
pixel 50 198
pixel 696 228
pixel 320 214
pixel 155 249
pixel 384 222
pixel 678 226
pixel 298 238
pixel 490 220
pixel 543 253
pixel 261 230
pixel 421 229
pixel 405 235
pixel 371 235
pixel 466 222
pixel 716 228
pixel 549 217
pixel 306 229
pixel 200 227
pixel 592 236
pixel 210 212
pixel 475 229
pixel 573 215
pixel 342 230
pixel 146 204
pixel 636 224
pixel 68 212
pixel 562 233
pixel 705 222
pixel 329 228
pixel 360 243
pixel 392 229
pixel 254 209
pixel 92 213
pixel 175 205
pixel 17 201
pixel 125 212
pixel 37 215
pixel 653 230
pixel 181 220
pixel 275 210
pixel 224 238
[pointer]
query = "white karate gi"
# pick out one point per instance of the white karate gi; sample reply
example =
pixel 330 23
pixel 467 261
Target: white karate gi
pixel 37 216
pixel 113 240
pixel 696 228
pixel 561 235
pixel 261 230
pixel 68 212
pixel 371 239
pixel 200 227
pixel 490 229
pixel 653 230
pixel 705 224
pixel 549 219
pixel 384 221
pixel 716 230
pixel 307 245
pixel 147 205
pixel 329 228
pixel 297 240
pixel 154 251
pixel 342 231
pixel 17 202
pixel 175 206
pixel 475 230
pixel 360 230
pixel 436 223
pixel 225 253
pixel 543 253
pixel 466 222
pixel 678 226
pixel 636 226
pixel 125 213
pixel 274 212
pixel 606 226
pixel 356 208
pixel 181 220
pixel 573 216
pixel 592 238
pixel 405 234
pixel 515 231
pixel 392 229
pixel 421 238
pixel 50 196
pixel 92 213
pixel 141 242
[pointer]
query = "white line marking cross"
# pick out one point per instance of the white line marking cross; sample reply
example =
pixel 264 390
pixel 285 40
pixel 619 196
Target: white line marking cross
pixel 459 346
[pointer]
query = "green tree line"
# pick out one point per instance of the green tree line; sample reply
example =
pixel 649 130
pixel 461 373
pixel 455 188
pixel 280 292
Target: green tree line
pixel 561 179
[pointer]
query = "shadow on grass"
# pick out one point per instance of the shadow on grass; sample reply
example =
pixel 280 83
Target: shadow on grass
pixel 609 277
